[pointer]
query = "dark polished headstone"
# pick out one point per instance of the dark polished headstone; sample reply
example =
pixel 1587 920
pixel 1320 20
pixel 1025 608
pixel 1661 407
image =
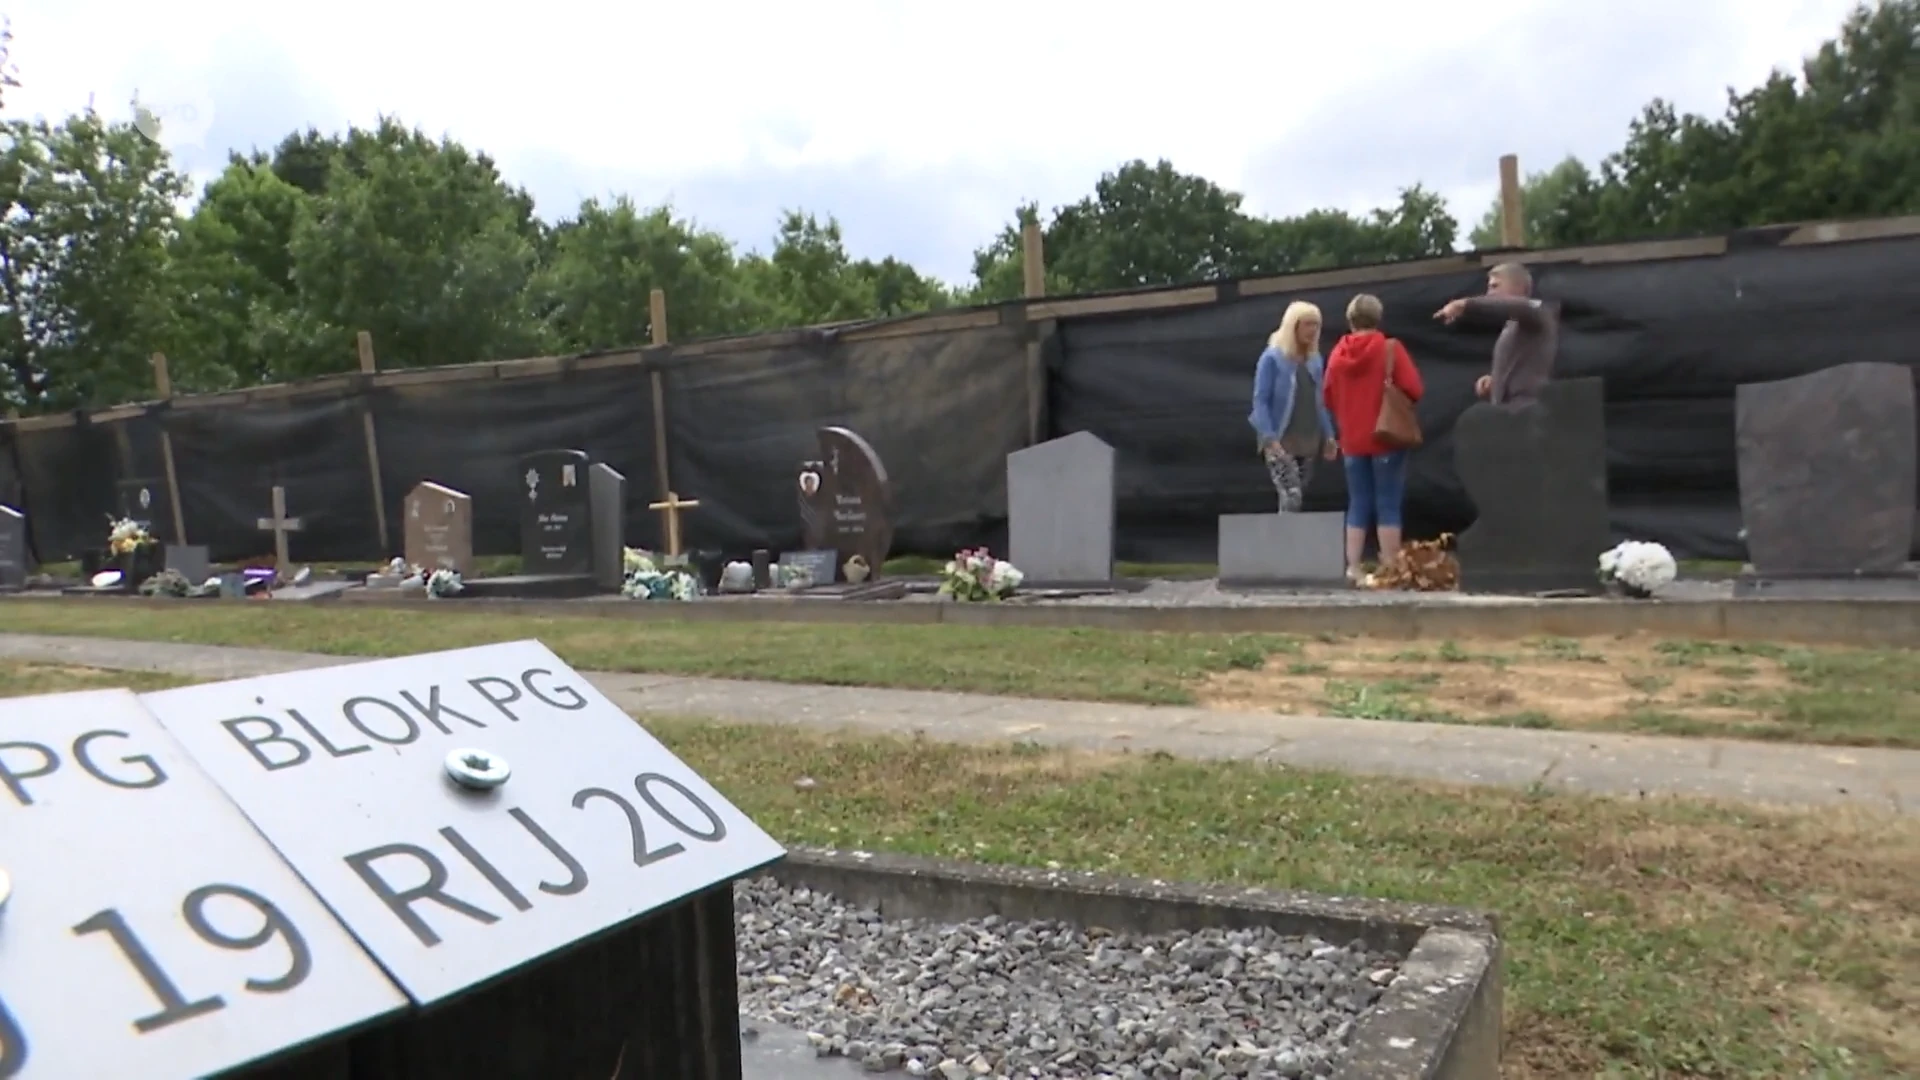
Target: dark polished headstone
pixel 14 557
pixel 1537 473
pixel 862 498
pixel 1827 470
pixel 556 519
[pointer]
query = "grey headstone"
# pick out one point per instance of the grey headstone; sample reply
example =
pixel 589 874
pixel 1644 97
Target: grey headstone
pixel 13 548
pixel 556 530
pixel 1827 470
pixel 1537 473
pixel 607 490
pixel 1060 510
pixel 1282 549
pixel 191 560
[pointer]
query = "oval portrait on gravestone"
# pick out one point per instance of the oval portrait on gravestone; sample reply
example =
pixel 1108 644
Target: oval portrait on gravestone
pixel 810 482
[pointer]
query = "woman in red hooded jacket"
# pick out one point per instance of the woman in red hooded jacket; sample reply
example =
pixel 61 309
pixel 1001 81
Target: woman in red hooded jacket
pixel 1354 383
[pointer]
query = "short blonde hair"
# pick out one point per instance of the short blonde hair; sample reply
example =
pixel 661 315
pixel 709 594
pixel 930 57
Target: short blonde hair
pixel 1287 338
pixel 1365 312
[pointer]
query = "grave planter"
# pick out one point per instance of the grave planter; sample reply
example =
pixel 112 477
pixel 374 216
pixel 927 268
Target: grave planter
pixel 140 564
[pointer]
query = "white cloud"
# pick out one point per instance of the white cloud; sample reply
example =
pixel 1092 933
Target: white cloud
pixel 920 125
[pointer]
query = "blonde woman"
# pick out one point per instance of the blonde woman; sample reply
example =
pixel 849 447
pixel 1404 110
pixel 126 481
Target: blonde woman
pixel 1289 418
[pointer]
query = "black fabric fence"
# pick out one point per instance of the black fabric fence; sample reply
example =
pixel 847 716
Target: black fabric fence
pixel 1168 388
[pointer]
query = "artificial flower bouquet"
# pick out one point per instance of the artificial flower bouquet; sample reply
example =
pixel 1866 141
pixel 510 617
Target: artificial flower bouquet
pixel 973 574
pixel 1638 568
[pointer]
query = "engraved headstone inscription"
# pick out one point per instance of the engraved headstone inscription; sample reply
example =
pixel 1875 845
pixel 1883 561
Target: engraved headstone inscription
pixel 350 773
pixel 1060 510
pixel 439 528
pixel 1537 474
pixel 1827 471
pixel 556 527
pixel 181 945
pixel 861 498
pixel 13 548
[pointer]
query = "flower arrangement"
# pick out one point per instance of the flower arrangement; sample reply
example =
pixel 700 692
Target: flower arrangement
pixel 973 574
pixel 443 583
pixel 794 576
pixel 648 582
pixel 635 560
pixel 1424 566
pixel 1637 568
pixel 175 584
pixel 126 536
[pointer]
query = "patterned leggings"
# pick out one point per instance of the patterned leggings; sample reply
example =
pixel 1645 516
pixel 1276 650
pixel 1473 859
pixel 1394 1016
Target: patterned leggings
pixel 1290 476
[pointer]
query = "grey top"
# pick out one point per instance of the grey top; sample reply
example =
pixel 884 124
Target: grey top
pixel 1523 356
pixel 1301 435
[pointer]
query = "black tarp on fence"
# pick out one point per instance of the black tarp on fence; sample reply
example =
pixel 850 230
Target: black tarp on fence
pixel 945 400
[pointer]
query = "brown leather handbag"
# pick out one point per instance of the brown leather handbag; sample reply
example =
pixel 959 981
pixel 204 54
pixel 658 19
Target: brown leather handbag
pixel 1398 425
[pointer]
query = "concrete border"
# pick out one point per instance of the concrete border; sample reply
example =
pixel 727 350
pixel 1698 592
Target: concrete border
pixel 1439 1020
pixel 1863 623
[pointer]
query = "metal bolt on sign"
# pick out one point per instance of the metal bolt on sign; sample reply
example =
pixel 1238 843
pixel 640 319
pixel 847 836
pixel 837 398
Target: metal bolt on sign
pixel 477 770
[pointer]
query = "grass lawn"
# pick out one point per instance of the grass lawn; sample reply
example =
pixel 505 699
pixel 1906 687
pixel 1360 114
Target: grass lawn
pixel 1862 697
pixel 1657 938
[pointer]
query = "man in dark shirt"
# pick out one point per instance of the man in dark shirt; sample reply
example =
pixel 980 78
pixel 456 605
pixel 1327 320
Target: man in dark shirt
pixel 1523 355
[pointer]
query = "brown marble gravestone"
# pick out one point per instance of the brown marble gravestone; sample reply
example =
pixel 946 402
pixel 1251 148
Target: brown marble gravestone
pixel 1827 470
pixel 861 498
pixel 439 530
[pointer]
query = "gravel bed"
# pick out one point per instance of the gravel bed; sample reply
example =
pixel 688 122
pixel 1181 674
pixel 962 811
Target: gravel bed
pixel 994 998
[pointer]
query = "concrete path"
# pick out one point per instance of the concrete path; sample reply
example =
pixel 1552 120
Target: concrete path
pixel 1631 765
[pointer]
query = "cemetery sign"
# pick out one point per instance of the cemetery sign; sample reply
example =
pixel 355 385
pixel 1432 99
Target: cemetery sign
pixel 349 771
pixel 150 930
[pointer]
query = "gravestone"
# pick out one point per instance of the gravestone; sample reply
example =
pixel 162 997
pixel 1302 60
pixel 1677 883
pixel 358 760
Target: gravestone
pixel 815 500
pixel 862 498
pixel 556 526
pixel 1537 473
pixel 13 549
pixel 182 944
pixel 190 561
pixel 607 493
pixel 595 831
pixel 439 528
pixel 147 502
pixel 1060 511
pixel 1827 471
pixel 1297 550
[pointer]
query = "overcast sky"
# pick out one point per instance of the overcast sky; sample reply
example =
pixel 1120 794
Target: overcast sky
pixel 921 125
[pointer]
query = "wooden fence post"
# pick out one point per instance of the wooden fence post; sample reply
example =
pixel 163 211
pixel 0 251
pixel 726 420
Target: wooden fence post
pixel 163 382
pixel 1033 262
pixel 368 367
pixel 1513 217
pixel 657 317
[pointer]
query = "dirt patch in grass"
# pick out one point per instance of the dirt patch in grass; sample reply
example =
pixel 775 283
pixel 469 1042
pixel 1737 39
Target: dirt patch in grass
pixel 1637 683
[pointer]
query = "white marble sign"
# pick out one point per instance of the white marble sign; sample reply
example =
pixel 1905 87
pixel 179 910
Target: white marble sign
pixel 150 931
pixel 345 770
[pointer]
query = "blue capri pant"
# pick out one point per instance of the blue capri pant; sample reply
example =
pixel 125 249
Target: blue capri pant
pixel 1376 484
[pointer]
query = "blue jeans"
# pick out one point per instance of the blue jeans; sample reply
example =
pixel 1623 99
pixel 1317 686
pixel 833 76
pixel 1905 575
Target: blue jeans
pixel 1376 484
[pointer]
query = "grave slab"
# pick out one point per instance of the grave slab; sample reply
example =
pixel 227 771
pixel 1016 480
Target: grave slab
pixel 1282 549
pixel 1827 471
pixel 344 770
pixel 1537 474
pixel 1060 510
pixel 134 960
pixel 190 561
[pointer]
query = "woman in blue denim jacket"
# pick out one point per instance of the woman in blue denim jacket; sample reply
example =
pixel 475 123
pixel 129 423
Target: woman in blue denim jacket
pixel 1290 418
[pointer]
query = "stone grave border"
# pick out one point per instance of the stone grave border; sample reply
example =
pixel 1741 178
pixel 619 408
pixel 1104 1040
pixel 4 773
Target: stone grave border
pixel 1440 1020
pixel 1884 624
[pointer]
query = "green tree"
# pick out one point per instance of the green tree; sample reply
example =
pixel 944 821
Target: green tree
pixel 607 260
pixel 420 243
pixel 1558 209
pixel 86 216
pixel 1843 140
pixel 233 271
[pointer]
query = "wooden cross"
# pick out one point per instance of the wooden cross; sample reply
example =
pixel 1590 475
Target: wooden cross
pixel 672 507
pixel 280 525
